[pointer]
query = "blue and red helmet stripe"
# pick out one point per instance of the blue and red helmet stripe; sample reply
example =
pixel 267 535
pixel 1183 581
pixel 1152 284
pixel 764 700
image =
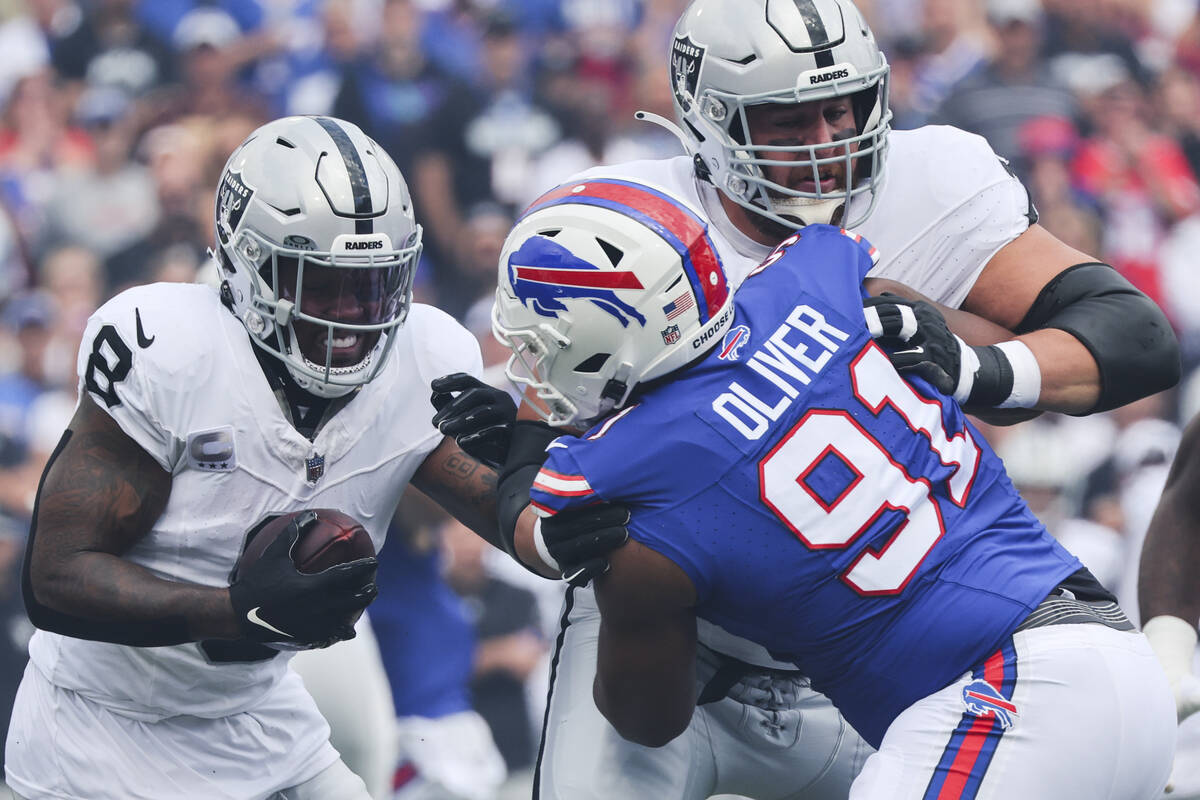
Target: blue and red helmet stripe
pixel 678 225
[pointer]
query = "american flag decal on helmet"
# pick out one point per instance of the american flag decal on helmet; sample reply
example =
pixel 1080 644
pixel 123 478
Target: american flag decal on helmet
pixel 679 305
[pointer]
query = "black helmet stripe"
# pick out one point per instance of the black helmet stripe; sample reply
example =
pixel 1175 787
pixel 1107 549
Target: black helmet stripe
pixel 355 170
pixel 816 31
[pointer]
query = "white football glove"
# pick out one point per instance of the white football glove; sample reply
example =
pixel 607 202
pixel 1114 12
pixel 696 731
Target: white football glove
pixel 1174 642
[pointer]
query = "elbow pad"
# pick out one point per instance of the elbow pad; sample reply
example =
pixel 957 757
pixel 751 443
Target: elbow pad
pixel 142 633
pixel 1126 333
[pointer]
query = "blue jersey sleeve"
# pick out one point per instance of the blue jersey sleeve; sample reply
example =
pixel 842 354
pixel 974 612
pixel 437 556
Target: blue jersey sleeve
pixel 614 462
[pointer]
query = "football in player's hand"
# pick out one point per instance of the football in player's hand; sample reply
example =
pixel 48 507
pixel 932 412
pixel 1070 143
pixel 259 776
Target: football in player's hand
pixel 327 538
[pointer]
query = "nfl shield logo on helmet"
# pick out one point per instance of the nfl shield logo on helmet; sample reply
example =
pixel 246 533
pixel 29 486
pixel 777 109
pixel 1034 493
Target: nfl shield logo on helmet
pixel 671 335
pixel 314 468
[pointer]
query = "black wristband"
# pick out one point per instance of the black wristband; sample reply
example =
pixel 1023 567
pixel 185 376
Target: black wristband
pixel 993 380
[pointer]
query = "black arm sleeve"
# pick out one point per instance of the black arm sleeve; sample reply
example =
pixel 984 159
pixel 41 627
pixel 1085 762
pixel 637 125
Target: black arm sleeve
pixel 1126 333
pixel 154 633
pixel 526 453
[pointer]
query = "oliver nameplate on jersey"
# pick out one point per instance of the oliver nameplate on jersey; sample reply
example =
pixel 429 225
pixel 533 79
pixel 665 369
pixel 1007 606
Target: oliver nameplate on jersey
pixel 212 450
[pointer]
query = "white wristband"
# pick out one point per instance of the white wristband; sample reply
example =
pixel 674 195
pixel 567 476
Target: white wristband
pixel 1027 375
pixel 968 366
pixel 539 544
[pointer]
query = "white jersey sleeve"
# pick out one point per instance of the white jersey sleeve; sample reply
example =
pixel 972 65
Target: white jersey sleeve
pixel 947 205
pixel 142 356
pixel 439 346
pixel 442 345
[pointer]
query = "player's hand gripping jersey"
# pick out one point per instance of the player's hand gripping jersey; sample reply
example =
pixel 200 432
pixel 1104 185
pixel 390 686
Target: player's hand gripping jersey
pixel 882 518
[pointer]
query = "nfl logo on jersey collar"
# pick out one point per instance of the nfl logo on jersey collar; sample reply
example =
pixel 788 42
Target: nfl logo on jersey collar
pixel 314 468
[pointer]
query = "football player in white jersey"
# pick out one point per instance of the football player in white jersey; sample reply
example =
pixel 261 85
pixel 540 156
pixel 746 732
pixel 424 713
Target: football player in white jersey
pixel 782 108
pixel 156 672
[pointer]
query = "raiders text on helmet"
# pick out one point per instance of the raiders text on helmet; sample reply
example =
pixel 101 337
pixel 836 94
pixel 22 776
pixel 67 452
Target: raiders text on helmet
pixel 312 204
pixel 728 55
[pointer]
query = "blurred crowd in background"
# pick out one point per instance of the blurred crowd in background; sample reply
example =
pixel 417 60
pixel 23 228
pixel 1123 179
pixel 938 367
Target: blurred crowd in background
pixel 117 115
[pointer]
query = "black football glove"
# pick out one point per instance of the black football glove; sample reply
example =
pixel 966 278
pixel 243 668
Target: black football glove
pixel 275 602
pixel 579 540
pixel 918 341
pixel 479 417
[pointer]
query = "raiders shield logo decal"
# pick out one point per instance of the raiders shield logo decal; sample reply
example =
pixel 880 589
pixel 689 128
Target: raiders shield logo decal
pixel 687 57
pixel 232 199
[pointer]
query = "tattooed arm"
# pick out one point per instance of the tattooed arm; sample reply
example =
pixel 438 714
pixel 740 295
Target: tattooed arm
pixel 462 486
pixel 100 494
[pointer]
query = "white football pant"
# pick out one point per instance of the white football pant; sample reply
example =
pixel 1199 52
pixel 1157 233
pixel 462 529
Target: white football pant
pixel 1062 712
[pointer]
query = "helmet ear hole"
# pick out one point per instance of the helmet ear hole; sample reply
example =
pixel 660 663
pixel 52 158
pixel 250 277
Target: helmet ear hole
pixel 593 364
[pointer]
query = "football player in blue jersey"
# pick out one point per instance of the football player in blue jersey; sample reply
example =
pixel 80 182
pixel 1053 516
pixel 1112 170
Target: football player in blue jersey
pixel 801 494
pixel 782 107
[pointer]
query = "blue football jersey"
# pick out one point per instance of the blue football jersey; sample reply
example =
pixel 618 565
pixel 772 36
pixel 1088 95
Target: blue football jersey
pixel 848 520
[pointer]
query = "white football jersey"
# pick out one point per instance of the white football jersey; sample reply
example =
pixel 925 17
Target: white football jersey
pixel 946 205
pixel 177 371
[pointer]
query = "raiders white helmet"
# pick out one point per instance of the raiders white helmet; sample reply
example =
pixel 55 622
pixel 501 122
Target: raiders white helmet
pixel 606 284
pixel 317 246
pixel 728 55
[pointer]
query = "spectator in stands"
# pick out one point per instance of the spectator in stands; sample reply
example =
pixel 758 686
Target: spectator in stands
pixel 107 46
pixel 1011 87
pixel 480 150
pixel 111 204
pixel 36 145
pixel 1140 178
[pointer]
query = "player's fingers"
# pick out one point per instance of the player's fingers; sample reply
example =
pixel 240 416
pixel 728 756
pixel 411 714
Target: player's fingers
pixel 454 382
pixel 908 356
pixel 592 545
pixel 935 375
pixel 472 420
pixel 350 575
pixel 890 320
pixel 567 524
pixel 443 388
pixel 457 405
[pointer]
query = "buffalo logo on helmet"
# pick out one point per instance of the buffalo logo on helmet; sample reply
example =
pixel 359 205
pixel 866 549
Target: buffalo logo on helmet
pixel 686 59
pixel 543 273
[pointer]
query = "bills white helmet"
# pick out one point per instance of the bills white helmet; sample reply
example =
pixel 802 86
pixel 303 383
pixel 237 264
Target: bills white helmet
pixel 604 285
pixel 728 55
pixel 317 246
